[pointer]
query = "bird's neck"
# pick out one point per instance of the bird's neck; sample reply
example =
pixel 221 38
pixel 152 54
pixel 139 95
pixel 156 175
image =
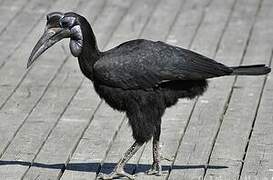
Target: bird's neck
pixel 90 52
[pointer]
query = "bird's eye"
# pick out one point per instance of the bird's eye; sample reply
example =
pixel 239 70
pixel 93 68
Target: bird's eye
pixel 64 24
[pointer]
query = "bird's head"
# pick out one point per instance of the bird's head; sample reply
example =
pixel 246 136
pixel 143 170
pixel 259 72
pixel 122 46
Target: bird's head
pixel 59 26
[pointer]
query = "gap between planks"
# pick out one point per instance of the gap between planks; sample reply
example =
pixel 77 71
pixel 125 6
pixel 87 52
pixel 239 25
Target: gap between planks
pixel 255 117
pixel 18 85
pixel 71 99
pixel 233 85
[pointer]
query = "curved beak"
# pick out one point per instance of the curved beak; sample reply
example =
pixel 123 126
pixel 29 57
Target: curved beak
pixel 48 39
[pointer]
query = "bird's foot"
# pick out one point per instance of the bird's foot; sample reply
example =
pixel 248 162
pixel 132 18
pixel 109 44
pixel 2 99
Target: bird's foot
pixel 156 169
pixel 116 174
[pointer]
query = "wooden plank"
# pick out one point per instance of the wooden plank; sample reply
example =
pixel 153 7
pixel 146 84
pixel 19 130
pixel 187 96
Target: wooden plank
pixel 72 138
pixel 19 27
pixel 175 119
pixel 214 23
pixel 120 144
pixel 38 125
pixel 136 12
pixel 61 142
pixel 133 23
pixel 41 109
pixel 119 5
pixel 183 31
pixel 92 146
pixel 258 161
pixel 117 10
pixel 195 146
pixel 9 10
pixel 157 28
pixel 233 136
pixel 13 73
pixel 9 41
pixel 18 104
pixel 18 108
pixel 52 158
pixel 118 148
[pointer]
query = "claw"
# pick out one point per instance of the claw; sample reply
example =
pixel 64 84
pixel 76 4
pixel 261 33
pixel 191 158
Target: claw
pixel 116 174
pixel 156 169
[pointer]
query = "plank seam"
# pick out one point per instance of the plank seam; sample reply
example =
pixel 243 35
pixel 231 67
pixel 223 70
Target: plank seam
pixel 180 140
pixel 141 32
pixel 13 17
pixel 114 29
pixel 225 27
pixel 29 113
pixel 116 133
pixel 18 46
pixel 53 127
pixel 174 20
pixel 109 148
pixel 43 93
pixel 8 57
pixel 255 117
pixel 110 145
pixel 78 141
pixel 148 19
pixel 204 11
pixel 231 90
pixel 25 37
pixel 70 101
pixel 169 31
pixel 196 100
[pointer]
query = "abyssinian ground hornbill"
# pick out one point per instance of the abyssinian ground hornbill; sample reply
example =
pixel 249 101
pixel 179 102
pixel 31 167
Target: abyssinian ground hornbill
pixel 139 77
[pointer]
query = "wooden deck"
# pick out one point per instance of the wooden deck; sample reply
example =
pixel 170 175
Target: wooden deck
pixel 54 126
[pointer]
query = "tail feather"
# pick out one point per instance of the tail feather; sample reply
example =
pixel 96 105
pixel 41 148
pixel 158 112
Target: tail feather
pixel 258 69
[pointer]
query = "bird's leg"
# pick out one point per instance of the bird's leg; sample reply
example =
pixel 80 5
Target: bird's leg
pixel 119 169
pixel 156 168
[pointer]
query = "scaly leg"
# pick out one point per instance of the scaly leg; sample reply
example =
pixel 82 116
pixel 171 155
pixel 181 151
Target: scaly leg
pixel 156 168
pixel 119 169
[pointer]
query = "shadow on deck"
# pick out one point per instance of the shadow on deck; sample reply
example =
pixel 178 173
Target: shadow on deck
pixel 107 167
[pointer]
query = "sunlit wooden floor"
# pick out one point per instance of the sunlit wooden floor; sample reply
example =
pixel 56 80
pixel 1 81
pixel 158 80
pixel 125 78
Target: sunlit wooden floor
pixel 54 126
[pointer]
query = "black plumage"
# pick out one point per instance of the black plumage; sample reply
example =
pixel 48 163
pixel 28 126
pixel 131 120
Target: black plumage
pixel 139 77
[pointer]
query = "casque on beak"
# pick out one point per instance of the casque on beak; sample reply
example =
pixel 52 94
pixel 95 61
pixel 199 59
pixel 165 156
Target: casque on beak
pixel 51 36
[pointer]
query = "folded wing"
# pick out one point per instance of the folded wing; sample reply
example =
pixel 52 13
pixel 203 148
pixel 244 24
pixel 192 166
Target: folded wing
pixel 143 64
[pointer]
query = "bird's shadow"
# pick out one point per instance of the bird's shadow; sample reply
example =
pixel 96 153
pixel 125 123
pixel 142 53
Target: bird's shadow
pixel 106 168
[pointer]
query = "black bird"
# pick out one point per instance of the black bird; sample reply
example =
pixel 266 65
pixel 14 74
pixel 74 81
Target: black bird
pixel 139 77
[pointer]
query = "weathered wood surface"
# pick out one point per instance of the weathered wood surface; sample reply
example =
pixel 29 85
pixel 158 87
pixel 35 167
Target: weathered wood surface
pixel 54 126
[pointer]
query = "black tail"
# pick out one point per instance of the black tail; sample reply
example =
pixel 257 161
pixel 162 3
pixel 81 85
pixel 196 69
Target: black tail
pixel 258 69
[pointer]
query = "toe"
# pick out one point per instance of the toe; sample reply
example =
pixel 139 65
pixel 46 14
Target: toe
pixel 155 169
pixel 105 176
pixel 151 172
pixel 124 174
pixel 115 174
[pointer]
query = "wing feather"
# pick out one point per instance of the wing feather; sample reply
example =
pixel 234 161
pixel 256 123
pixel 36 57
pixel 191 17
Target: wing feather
pixel 143 64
